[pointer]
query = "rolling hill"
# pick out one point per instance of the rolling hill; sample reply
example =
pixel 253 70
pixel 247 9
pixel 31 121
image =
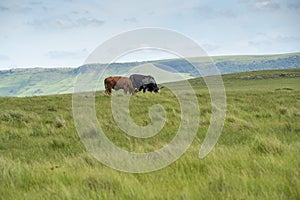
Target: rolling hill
pixel 49 81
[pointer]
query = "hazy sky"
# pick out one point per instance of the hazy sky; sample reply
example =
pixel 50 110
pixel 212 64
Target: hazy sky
pixel 63 33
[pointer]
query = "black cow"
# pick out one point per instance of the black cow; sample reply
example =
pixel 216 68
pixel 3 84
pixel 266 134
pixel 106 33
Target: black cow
pixel 145 83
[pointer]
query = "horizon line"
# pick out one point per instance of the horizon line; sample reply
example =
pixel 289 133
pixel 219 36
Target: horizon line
pixel 153 60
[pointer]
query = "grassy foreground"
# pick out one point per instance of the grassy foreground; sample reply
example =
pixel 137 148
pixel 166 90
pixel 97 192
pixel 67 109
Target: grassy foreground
pixel 257 155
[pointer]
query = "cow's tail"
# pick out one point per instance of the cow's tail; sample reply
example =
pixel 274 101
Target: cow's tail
pixel 106 86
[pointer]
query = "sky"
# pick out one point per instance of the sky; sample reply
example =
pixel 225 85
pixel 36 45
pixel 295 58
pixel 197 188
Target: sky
pixel 63 33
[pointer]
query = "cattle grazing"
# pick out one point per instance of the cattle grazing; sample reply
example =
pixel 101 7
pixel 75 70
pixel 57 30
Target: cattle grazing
pixel 117 83
pixel 145 83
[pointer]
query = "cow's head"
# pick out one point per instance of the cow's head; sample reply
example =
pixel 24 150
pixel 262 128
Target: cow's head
pixel 153 87
pixel 156 89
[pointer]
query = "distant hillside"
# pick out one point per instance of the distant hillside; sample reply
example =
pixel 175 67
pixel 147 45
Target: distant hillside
pixel 41 81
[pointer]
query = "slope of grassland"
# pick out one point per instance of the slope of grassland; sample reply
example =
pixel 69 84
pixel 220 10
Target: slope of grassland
pixel 257 155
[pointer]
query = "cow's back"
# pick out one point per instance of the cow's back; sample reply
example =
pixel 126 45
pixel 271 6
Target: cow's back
pixel 117 83
pixel 126 84
pixel 139 80
pixel 136 80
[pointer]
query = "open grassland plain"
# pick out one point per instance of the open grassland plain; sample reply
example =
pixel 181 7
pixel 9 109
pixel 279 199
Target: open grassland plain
pixel 256 157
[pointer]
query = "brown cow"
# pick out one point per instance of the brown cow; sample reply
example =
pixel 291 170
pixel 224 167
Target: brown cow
pixel 118 82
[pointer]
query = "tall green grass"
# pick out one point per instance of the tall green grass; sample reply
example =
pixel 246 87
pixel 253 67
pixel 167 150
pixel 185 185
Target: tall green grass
pixel 256 157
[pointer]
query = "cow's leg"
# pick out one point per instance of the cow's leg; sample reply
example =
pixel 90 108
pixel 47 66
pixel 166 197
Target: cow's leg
pixel 140 89
pixel 132 91
pixel 125 90
pixel 144 89
pixel 108 91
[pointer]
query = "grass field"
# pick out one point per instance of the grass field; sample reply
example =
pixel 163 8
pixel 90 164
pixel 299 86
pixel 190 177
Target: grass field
pixel 256 157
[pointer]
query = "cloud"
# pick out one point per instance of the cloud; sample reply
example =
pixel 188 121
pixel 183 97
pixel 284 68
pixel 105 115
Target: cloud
pixel 294 5
pixel 226 14
pixel 89 22
pixel 34 3
pixel 275 43
pixel 66 23
pixel 209 12
pixel 15 7
pixel 130 20
pixel 81 12
pixel 261 5
pixel 66 54
pixel 4 57
pixel 3 8
pixel 210 47
pixel 263 39
pixel 266 6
